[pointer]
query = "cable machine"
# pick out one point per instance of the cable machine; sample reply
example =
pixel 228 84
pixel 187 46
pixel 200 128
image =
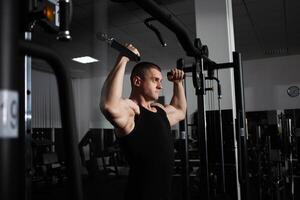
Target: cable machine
pixel 15 83
pixel 202 62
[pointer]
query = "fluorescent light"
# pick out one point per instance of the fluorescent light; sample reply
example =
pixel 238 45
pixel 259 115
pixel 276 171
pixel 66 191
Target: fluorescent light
pixel 85 59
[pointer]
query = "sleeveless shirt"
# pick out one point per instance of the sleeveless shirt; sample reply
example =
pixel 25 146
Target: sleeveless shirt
pixel 149 150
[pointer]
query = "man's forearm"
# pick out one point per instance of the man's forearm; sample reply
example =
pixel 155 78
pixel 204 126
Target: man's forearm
pixel 178 100
pixel 111 92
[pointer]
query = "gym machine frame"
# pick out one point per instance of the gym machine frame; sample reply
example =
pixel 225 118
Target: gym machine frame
pixel 199 84
pixel 11 145
pixel 203 61
pixel 12 159
pixel 67 112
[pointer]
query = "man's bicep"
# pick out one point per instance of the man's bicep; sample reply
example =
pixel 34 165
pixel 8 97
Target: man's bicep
pixel 120 116
pixel 174 115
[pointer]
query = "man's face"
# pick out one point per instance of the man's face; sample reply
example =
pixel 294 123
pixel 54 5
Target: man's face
pixel 151 84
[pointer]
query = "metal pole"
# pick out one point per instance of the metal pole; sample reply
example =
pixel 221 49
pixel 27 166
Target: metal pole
pixel 260 173
pixel 241 124
pixel 185 159
pixel 28 117
pixel 222 148
pixel 290 160
pixel 11 105
pixel 183 130
pixel 202 131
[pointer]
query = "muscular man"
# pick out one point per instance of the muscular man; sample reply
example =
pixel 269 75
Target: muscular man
pixel 144 127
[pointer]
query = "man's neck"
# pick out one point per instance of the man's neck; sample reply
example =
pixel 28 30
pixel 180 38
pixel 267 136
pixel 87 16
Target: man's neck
pixel 140 100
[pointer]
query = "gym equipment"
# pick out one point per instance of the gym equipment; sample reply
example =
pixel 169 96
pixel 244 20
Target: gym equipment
pixel 210 77
pixel 199 83
pixel 12 136
pixel 67 112
pixel 155 30
pixel 202 62
pixel 48 157
pixel 102 144
pixel 272 155
pixel 12 181
pixel 65 14
pixel 119 47
pixel 185 146
pixel 52 17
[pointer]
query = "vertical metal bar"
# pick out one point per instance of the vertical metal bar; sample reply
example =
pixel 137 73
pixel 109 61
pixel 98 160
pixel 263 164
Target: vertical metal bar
pixel 290 160
pixel 270 173
pixel 52 139
pixel 64 20
pixel 222 148
pixel 185 159
pixel 259 161
pixel 241 123
pixel 28 123
pixel 183 129
pixel 202 133
pixel 11 117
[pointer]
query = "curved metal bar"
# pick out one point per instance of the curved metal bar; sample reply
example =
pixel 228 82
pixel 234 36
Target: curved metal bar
pixel 166 19
pixel 66 99
pixel 155 30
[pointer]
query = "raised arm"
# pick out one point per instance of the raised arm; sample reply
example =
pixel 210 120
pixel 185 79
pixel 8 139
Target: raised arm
pixel 119 111
pixel 176 111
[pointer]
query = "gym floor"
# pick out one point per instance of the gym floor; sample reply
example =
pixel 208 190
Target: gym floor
pixel 98 187
pixel 107 187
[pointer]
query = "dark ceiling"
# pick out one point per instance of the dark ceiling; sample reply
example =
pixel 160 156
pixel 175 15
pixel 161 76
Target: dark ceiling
pixel 263 28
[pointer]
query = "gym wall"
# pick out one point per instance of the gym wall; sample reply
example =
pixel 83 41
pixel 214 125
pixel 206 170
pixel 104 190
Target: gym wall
pixel 267 80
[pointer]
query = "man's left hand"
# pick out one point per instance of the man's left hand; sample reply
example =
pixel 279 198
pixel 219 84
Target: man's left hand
pixel 175 75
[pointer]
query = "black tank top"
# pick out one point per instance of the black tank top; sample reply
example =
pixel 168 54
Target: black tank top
pixel 149 150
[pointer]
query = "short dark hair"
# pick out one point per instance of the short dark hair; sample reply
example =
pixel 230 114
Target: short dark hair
pixel 140 69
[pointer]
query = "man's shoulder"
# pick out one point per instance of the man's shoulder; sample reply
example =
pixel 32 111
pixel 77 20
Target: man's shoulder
pixel 165 108
pixel 132 105
pixel 155 104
